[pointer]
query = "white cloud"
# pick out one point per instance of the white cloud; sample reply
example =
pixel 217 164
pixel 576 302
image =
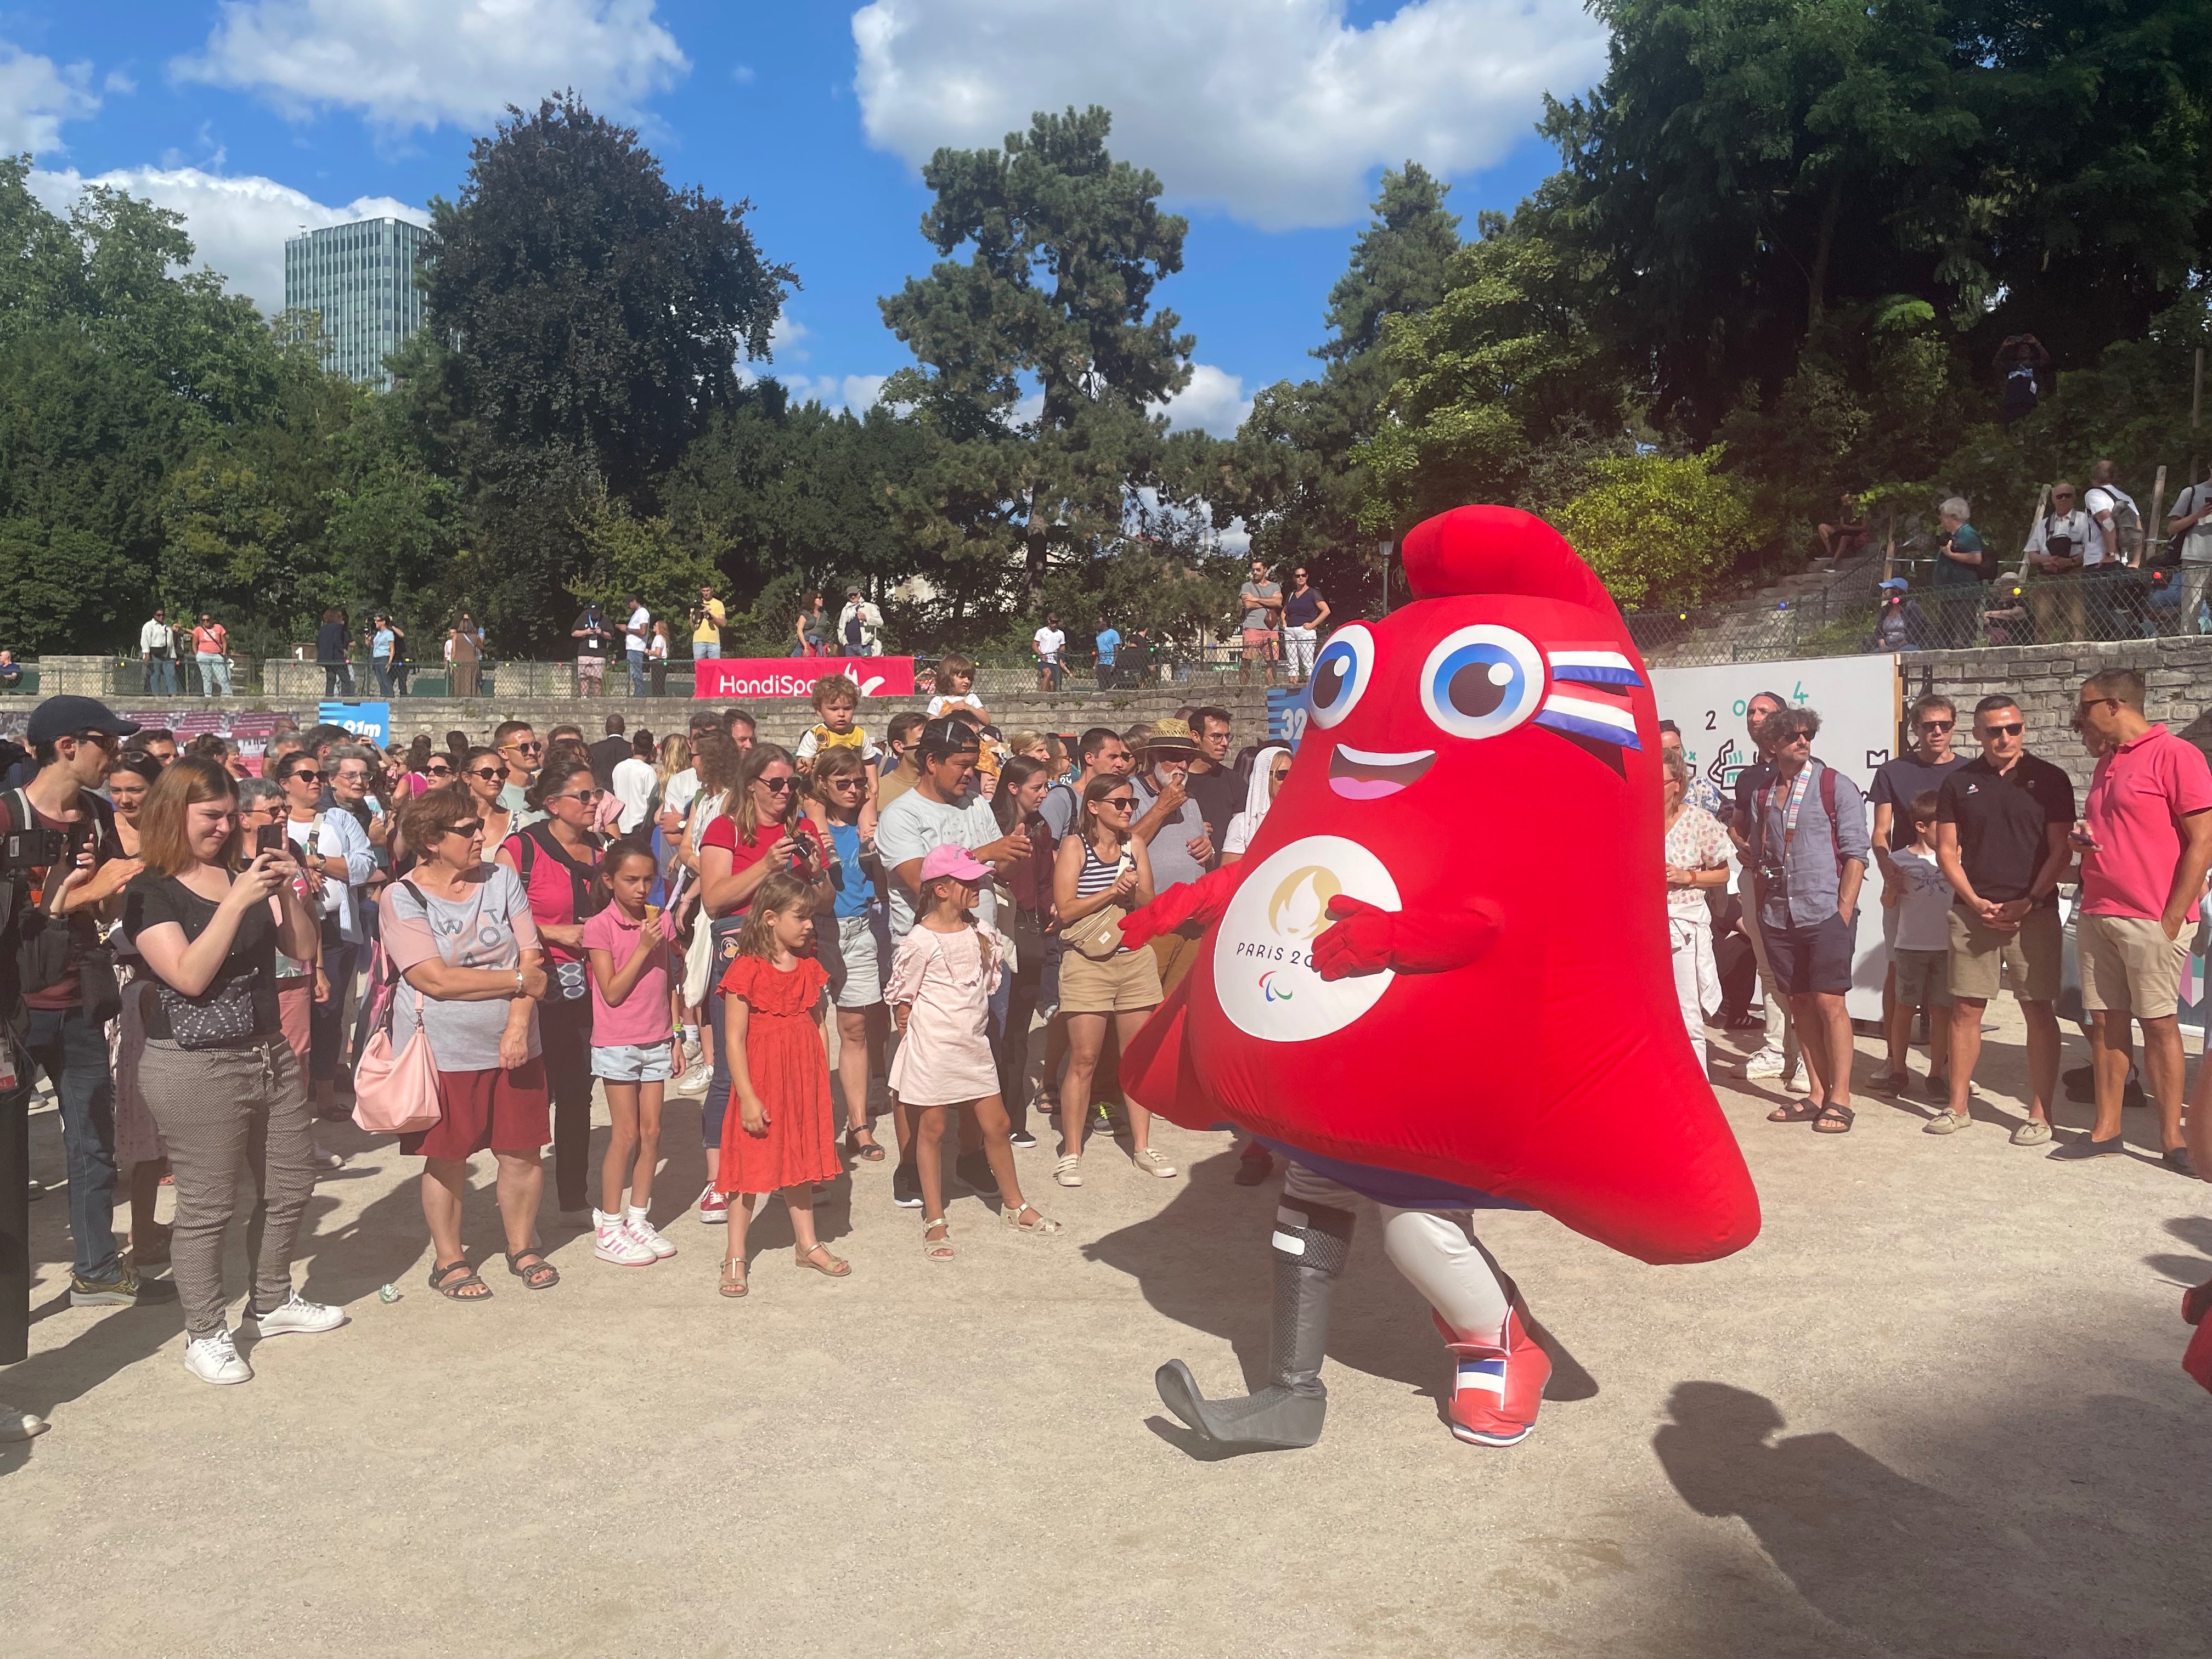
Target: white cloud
pixel 238 225
pixel 1275 110
pixel 36 97
pixel 857 393
pixel 1214 401
pixel 407 64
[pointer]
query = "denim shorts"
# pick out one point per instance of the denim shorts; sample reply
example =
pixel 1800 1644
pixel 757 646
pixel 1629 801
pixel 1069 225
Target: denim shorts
pixel 637 1062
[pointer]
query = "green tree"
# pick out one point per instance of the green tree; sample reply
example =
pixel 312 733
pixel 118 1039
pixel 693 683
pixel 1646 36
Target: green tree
pixel 1298 471
pixel 1658 527
pixel 1066 246
pixel 597 315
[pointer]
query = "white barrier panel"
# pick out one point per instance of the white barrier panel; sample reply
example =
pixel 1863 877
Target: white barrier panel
pixel 1857 701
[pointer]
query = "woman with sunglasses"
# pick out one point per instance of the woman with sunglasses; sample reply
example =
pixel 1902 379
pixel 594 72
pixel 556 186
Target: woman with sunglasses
pixel 761 829
pixel 459 934
pixel 1102 872
pixel 841 790
pixel 558 861
pixel 483 774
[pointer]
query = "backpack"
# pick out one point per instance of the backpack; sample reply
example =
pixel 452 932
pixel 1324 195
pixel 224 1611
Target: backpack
pixel 44 941
pixel 2020 391
pixel 2125 542
pixel 568 984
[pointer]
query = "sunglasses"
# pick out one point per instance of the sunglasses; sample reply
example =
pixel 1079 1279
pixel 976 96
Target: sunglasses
pixel 2062 494
pixel 1795 737
pixel 1125 803
pixel 849 780
pixel 584 795
pixel 525 748
pixel 303 774
pixel 466 827
pixel 1937 725
pixel 438 771
pixel 777 786
pixel 2011 731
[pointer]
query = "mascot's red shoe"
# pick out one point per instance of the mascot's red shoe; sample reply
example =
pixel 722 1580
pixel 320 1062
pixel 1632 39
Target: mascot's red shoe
pixel 1497 1383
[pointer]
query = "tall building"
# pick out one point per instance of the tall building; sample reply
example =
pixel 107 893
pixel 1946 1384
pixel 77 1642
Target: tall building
pixel 363 279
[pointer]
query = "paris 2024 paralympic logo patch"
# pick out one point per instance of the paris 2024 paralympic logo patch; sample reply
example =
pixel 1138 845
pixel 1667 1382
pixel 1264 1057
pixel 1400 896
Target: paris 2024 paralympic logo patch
pixel 1263 954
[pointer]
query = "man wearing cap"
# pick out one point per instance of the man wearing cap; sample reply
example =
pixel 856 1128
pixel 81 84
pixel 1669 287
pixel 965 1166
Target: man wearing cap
pixel 51 929
pixel 860 625
pixel 940 811
pixel 1173 826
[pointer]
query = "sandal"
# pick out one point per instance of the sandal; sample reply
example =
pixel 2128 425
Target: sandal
pixel 1834 1120
pixel 1043 1223
pixel 463 1288
pixel 937 1249
pixel 733 1278
pixel 1794 1111
pixel 1069 1172
pixel 838 1266
pixel 867 1149
pixel 539 1275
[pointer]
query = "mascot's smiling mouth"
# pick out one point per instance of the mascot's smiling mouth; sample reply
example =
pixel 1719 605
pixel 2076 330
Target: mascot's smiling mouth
pixel 1366 775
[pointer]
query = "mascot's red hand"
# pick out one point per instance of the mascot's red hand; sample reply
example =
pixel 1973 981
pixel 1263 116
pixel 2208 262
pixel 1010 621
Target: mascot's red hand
pixel 1366 939
pixel 1201 901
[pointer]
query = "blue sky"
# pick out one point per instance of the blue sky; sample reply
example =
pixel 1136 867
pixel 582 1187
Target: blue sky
pixel 1267 121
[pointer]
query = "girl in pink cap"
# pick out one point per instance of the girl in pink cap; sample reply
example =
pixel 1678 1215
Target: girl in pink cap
pixel 940 987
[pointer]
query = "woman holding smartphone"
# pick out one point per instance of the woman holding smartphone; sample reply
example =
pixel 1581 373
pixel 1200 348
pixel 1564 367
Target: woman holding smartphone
pixel 222 1084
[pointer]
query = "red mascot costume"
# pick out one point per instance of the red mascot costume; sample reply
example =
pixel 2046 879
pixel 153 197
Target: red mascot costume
pixel 1439 978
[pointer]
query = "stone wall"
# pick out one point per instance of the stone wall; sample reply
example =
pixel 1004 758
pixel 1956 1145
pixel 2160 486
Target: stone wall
pixel 2047 681
pixel 782 719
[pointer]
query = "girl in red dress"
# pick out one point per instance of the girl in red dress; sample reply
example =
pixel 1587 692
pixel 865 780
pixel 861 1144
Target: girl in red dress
pixel 780 1073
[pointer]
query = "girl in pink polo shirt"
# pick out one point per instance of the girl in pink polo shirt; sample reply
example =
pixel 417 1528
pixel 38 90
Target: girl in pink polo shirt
pixel 635 1050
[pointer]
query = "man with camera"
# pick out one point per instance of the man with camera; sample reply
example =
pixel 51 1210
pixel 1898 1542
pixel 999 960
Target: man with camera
pixel 2065 542
pixel 706 619
pixel 61 867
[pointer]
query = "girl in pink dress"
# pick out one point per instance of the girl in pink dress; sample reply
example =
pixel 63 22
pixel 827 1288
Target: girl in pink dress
pixel 941 981
pixel 786 1137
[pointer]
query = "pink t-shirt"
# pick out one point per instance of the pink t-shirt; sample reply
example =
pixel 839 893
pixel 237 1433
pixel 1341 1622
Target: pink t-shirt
pixel 2137 798
pixel 640 1019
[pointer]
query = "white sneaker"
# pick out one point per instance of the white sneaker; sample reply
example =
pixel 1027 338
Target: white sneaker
pixel 648 1234
pixel 618 1245
pixel 213 1359
pixel 694 1054
pixel 695 1081
pixel 16 1423
pixel 296 1314
pixel 1767 1062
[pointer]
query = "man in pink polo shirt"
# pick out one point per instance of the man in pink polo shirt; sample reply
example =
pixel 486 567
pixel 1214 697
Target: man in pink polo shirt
pixel 2146 841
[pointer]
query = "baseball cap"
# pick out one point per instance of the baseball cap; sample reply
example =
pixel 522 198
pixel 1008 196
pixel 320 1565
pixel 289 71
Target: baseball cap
pixel 952 861
pixel 66 716
pixel 947 735
pixel 1896 583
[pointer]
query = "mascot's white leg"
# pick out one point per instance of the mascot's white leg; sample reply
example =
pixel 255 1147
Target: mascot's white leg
pixel 1311 1242
pixel 1499 1372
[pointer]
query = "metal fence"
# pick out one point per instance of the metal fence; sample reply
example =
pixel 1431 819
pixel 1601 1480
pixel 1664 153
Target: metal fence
pixel 1853 615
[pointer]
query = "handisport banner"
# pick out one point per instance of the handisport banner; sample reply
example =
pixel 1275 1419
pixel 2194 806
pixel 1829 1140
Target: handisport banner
pixel 719 678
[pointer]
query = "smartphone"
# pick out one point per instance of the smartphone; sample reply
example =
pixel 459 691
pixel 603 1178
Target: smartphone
pixel 269 838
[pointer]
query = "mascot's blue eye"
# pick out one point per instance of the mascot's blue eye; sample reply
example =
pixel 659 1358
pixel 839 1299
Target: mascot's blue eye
pixel 1482 681
pixel 1341 674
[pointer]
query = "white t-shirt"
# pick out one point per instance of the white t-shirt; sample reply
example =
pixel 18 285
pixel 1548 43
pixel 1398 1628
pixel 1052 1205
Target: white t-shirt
pixel 2088 537
pixel 1048 641
pixel 966 699
pixel 634 782
pixel 657 650
pixel 2196 545
pixel 1924 918
pixel 638 629
pixel 913 827
pixel 682 789
pixel 2101 500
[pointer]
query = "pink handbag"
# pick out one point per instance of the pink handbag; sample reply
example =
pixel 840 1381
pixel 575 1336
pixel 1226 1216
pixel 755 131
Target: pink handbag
pixel 395 1094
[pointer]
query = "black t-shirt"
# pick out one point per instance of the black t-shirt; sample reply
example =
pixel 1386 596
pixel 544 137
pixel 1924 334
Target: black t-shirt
pixel 597 637
pixel 2003 820
pixel 1895 784
pixel 151 900
pixel 1299 610
pixel 1220 797
pixel 1749 782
